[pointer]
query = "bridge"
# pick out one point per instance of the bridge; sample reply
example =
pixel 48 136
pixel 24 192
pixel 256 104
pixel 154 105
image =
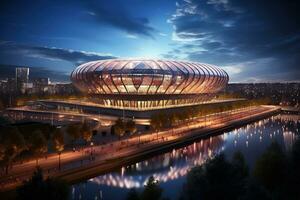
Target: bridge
pixel 290 109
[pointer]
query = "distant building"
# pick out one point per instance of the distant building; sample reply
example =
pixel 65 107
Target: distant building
pixel 40 85
pixel 22 78
pixel 64 88
pixel 27 86
pixel 8 85
pixel 278 93
pixel 41 81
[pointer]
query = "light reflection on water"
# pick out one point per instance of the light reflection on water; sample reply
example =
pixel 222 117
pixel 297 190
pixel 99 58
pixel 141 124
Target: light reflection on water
pixel 171 168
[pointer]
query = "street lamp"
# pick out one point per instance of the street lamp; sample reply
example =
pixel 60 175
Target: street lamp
pixel 91 145
pixel 139 133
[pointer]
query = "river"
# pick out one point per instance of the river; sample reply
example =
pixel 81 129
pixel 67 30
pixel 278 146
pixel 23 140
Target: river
pixel 170 168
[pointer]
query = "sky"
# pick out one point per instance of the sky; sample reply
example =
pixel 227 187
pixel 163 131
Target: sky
pixel 253 40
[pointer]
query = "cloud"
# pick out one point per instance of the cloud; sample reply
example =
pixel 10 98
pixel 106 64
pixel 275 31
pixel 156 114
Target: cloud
pixel 115 14
pixel 170 56
pixel 51 53
pixel 223 5
pixel 262 37
pixel 131 36
pixel 163 34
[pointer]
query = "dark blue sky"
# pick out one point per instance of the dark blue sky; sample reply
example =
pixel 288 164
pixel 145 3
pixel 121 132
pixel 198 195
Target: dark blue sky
pixel 254 41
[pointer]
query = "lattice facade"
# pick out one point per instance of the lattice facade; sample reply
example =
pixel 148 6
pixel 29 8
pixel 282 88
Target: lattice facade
pixel 142 84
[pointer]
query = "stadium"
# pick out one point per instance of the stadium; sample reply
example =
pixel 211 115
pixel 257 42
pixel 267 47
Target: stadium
pixel 147 84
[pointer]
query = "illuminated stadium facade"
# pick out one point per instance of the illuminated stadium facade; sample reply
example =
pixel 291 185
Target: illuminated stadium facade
pixel 146 84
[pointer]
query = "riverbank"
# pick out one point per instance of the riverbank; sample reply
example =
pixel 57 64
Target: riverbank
pixel 115 155
pixel 143 153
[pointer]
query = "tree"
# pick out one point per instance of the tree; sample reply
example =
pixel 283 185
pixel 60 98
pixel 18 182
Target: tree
pixel 119 127
pixel 240 165
pixel 294 174
pixel 216 179
pixel 295 156
pixel 86 132
pixel 38 144
pixel 152 191
pixel 155 123
pixel 2 107
pixel 58 143
pixel 131 126
pixel 73 130
pixel 270 168
pixel 255 191
pixel 183 116
pixel 240 173
pixel 158 122
pixel 133 195
pixel 37 188
pixel 2 150
pixel 173 119
pixel 28 128
pixel 12 144
pixel 4 121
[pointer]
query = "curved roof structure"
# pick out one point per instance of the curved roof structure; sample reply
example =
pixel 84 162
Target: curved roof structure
pixel 148 77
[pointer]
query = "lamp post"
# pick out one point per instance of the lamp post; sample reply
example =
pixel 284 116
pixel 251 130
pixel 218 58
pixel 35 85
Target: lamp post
pixel 59 163
pixel 91 150
pixel 139 133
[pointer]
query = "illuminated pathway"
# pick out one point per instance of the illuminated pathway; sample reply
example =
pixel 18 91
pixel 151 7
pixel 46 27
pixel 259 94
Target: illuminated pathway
pixel 76 165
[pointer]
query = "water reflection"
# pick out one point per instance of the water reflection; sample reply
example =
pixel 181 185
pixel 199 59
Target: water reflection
pixel 170 168
pixel 165 167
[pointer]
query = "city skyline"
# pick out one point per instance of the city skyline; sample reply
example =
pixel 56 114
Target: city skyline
pixel 252 41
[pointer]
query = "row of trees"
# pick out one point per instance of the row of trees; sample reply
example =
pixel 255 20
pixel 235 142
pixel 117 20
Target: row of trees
pixel 23 99
pixel 16 99
pixel 275 176
pixel 122 126
pixel 163 120
pixel 35 140
pixel 15 144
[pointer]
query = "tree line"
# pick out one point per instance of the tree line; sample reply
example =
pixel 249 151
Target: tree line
pixel 165 119
pixel 20 142
pixel 21 100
